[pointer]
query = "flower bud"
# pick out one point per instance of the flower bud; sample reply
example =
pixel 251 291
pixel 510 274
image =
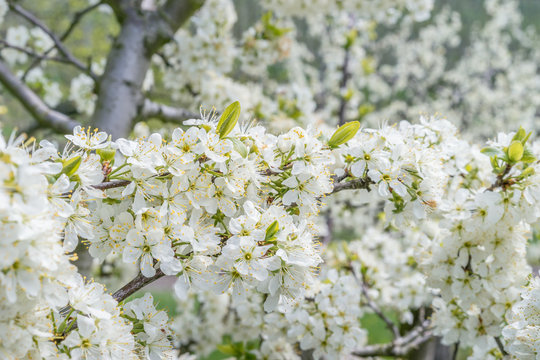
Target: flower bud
pixel 106 154
pixel 515 151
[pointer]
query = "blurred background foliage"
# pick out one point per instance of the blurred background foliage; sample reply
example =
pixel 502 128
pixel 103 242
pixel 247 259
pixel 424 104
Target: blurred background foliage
pixel 94 36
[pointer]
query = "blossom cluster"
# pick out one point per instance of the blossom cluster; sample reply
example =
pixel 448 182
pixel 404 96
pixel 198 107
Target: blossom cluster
pixel 234 212
pixel 477 261
pixel 223 207
pixel 523 329
pixel 48 309
pixel 464 259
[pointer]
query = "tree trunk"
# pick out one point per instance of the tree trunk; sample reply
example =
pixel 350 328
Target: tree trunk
pixel 120 91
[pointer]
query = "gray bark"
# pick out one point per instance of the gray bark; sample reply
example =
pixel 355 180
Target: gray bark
pixel 120 88
pixel 120 97
pixel 33 103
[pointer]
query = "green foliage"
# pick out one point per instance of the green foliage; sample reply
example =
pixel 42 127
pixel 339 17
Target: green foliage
pixel 343 134
pixel 228 119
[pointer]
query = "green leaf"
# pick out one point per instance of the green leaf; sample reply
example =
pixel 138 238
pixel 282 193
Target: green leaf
pixel 520 134
pixel 527 172
pixel 70 166
pixel 492 151
pixel 272 230
pixel 227 349
pixel 228 119
pixel 344 133
pixel 239 147
pixel 528 156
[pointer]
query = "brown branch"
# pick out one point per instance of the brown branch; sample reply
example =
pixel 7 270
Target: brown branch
pixel 33 103
pixel 57 42
pixel 164 112
pixel 111 184
pixel 136 284
pixel 363 183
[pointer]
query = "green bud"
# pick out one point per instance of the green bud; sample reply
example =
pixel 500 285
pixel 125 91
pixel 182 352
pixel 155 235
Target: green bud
pixel 344 133
pixel 272 230
pixel 228 119
pixel 70 166
pixel 515 151
pixel 106 154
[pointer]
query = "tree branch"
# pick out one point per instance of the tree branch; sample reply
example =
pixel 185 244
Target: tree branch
pixel 57 42
pixel 136 284
pixel 143 32
pixel 165 112
pixel 76 19
pixel 363 183
pixel 169 18
pixel 111 184
pixel 33 103
pixel 38 57
pixel 400 346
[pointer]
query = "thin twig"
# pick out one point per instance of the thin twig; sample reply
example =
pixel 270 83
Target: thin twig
pixel 400 346
pixel 34 104
pixel 355 184
pixel 58 43
pixel 136 284
pixel 500 345
pixel 76 19
pixel 111 184
pixel 373 306
pixel 33 54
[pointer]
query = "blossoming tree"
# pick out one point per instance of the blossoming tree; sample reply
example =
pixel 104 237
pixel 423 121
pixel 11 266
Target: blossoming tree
pixel 280 241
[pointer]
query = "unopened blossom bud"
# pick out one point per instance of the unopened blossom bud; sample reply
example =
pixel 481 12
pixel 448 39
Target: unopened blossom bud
pixel 515 151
